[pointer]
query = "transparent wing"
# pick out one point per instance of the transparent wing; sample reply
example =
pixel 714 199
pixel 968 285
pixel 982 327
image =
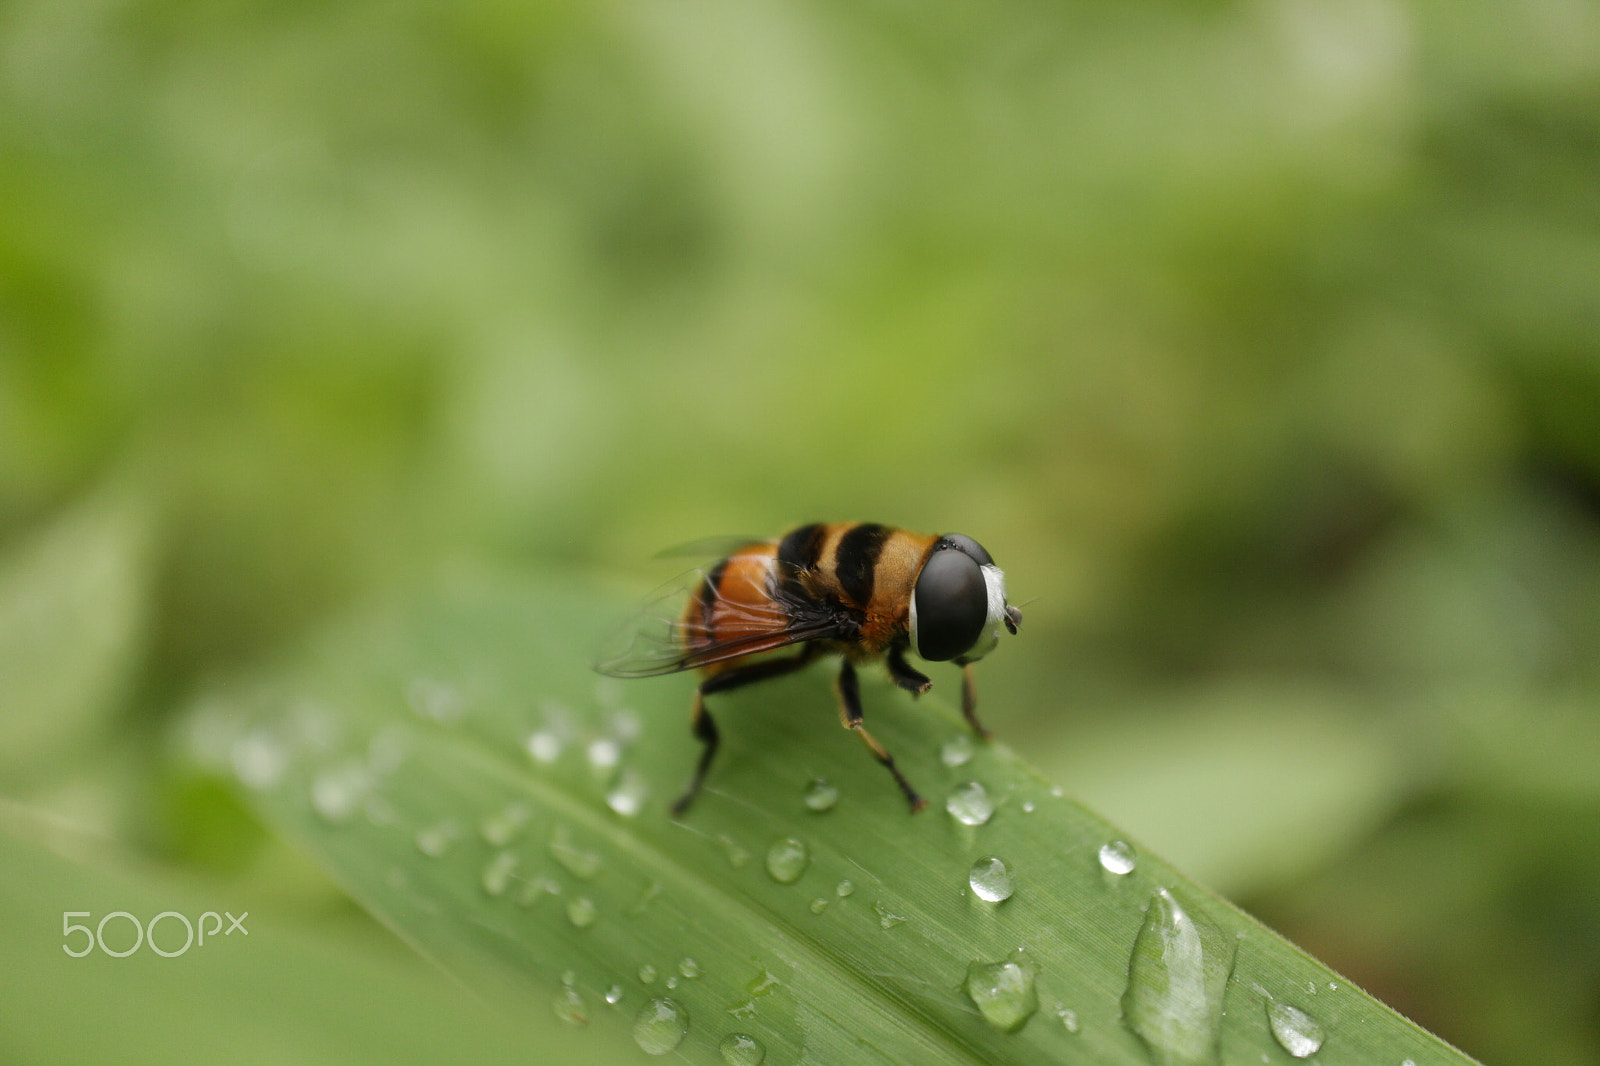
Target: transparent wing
pixel 659 638
pixel 707 548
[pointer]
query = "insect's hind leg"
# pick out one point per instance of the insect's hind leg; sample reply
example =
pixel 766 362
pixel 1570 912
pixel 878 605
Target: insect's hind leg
pixel 850 716
pixel 705 730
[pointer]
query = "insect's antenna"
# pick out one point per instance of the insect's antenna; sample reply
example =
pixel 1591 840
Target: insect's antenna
pixel 1013 617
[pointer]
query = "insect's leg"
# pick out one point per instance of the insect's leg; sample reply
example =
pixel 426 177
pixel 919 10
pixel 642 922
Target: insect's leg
pixel 901 673
pixel 850 716
pixel 705 730
pixel 969 703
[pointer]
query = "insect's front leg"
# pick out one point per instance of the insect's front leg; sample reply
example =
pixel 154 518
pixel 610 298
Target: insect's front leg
pixel 902 674
pixel 850 716
pixel 969 703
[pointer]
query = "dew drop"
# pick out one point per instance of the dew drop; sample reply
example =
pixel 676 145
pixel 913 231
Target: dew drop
pixel 844 888
pixel 819 905
pixel 737 855
pixel 821 796
pixel 584 865
pixel 957 751
pixel 887 919
pixel 1003 992
pixel 787 860
pixel 763 983
pixel 497 873
pixel 605 753
pixel 503 826
pixel 338 791
pixel 436 700
pixel 1069 1019
pixel 259 759
pixel 532 891
pixel 1118 857
pixel 689 968
pixel 544 746
pixel 647 974
pixel 581 912
pixel 740 1049
pixel 990 880
pixel 672 982
pixel 627 793
pixel 660 1026
pixel 434 840
pixel 970 804
pixel 614 995
pixel 1176 980
pixel 1294 1029
pixel 570 1006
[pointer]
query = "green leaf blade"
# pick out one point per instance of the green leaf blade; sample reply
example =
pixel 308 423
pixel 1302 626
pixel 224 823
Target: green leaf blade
pixel 457 768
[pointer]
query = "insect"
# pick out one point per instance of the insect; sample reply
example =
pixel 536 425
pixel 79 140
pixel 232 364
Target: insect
pixel 859 590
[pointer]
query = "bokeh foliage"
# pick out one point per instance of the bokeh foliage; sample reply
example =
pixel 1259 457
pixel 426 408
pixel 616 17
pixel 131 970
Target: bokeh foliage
pixel 1257 340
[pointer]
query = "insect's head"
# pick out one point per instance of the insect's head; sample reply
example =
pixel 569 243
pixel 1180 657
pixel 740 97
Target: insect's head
pixel 959 603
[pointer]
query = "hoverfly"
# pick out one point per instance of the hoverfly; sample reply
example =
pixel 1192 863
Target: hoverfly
pixel 855 589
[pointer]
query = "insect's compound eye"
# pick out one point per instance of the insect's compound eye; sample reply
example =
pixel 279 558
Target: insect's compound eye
pixel 963 543
pixel 952 604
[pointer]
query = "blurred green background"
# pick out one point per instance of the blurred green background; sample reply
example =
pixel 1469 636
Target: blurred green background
pixel 1259 341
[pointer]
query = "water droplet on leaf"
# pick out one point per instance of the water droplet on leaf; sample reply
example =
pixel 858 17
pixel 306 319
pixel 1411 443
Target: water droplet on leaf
pixel 990 880
pixel 1294 1029
pixel 1003 992
pixel 436 700
pixel 970 804
pixel 887 919
pixel 740 1049
pixel 660 1026
pixel 1118 857
pixel 787 860
pixel 336 792
pixel 957 751
pixel 497 872
pixel 581 912
pixel 259 759
pixel 434 840
pixel 1176 980
pixel 821 796
pixel 737 855
pixel 627 793
pixel 544 746
pixel 570 1007
pixel 502 827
